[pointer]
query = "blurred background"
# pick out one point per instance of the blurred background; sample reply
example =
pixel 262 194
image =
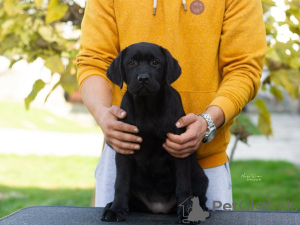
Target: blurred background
pixel 50 144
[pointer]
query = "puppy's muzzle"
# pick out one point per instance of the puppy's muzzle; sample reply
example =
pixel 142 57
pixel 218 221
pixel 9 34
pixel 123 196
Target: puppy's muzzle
pixel 143 78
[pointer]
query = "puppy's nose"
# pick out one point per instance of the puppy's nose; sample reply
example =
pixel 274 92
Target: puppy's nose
pixel 143 78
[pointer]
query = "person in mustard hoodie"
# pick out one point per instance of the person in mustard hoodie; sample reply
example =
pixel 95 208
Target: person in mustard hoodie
pixel 220 46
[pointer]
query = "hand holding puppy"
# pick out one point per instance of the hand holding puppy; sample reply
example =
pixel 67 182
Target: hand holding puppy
pixel 181 146
pixel 118 134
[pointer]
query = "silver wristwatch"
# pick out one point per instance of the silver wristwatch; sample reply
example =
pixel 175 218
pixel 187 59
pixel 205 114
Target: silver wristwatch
pixel 211 128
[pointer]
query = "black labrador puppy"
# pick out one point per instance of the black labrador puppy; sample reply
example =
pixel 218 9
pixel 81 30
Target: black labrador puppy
pixel 151 180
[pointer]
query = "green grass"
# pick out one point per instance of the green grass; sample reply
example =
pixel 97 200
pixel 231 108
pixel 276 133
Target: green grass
pixel 45 180
pixel 49 180
pixel 279 182
pixel 15 198
pixel 14 115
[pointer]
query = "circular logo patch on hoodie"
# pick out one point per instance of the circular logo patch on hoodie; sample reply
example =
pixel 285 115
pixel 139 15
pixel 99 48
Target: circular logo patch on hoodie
pixel 197 7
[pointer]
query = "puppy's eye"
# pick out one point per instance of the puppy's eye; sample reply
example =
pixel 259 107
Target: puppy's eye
pixel 132 62
pixel 154 62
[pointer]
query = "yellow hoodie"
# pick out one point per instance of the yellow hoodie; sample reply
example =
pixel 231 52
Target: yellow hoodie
pixel 220 46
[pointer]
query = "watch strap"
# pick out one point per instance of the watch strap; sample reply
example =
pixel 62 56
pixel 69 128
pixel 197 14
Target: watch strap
pixel 211 128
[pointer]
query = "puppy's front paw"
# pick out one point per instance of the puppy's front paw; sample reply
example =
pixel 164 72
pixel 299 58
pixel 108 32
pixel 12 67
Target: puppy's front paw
pixel 113 214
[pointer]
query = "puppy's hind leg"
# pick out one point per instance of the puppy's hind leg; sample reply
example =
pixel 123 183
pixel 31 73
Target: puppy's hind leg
pixel 199 183
pixel 183 187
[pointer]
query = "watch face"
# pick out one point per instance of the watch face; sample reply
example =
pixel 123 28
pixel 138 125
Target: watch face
pixel 211 135
pixel 211 129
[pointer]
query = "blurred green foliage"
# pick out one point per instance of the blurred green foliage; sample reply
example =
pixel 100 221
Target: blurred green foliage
pixel 36 28
pixel 282 58
pixel 31 29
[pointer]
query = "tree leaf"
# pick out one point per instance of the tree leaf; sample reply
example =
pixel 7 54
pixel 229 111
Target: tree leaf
pixel 56 11
pixel 264 118
pixel 69 83
pixel 37 86
pixel 295 62
pixel 38 3
pixel 46 32
pixel 281 77
pixel 272 53
pixel 277 93
pixel 10 7
pixel 6 27
pixel 10 43
pixel 53 88
pixel 55 64
pixel 294 77
pixel 267 4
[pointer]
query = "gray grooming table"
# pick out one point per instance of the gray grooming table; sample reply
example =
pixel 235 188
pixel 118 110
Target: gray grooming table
pixel 63 215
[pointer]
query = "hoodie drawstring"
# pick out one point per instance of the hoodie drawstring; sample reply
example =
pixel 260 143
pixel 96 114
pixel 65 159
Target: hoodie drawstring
pixel 155 6
pixel 184 4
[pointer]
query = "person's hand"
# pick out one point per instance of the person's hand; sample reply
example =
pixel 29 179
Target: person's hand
pixel 118 134
pixel 181 146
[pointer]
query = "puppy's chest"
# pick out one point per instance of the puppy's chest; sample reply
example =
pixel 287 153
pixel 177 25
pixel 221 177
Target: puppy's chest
pixel 153 116
pixel 156 126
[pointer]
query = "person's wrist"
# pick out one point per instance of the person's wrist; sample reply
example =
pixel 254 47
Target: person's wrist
pixel 210 127
pixel 203 124
pixel 216 114
pixel 99 115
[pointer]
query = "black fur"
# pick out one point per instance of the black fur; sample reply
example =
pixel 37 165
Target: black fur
pixel 151 180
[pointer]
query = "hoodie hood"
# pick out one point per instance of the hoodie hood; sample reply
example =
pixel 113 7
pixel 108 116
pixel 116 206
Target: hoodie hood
pixel 155 6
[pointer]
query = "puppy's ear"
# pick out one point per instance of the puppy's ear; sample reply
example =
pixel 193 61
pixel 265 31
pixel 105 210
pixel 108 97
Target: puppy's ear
pixel 115 72
pixel 173 69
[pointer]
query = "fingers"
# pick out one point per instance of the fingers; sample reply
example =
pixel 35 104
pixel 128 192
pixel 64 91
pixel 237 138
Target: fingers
pixel 121 126
pixel 121 136
pixel 118 125
pixel 182 154
pixel 181 139
pixel 124 147
pixel 186 120
pixel 179 154
pixel 124 143
pixel 116 111
pixel 183 145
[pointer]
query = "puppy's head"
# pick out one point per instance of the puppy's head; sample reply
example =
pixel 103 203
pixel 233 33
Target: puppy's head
pixel 144 67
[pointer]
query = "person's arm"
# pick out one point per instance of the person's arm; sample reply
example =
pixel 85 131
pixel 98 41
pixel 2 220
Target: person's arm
pixel 97 96
pixel 241 56
pixel 99 45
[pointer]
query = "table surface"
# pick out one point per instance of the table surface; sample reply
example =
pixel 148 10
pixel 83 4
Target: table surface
pixel 65 215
